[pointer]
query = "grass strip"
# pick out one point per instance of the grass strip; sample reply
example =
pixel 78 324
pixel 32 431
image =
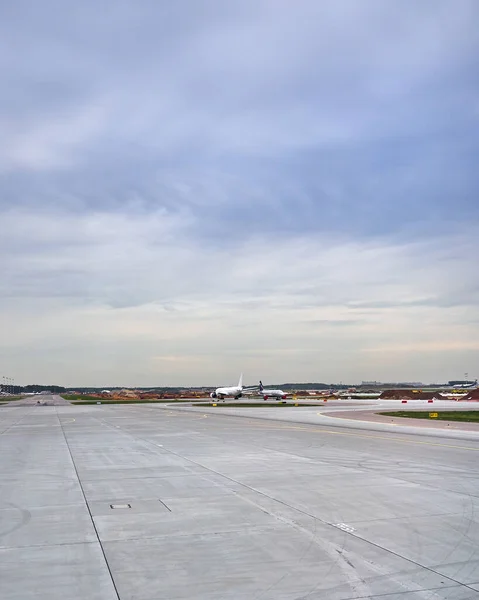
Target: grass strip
pixel 466 416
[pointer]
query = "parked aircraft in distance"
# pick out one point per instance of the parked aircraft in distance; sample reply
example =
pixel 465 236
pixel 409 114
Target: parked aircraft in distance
pixel 271 393
pixel 236 391
pixel 465 384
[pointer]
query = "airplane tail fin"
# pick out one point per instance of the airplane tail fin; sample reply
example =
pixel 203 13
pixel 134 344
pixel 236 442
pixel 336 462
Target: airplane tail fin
pixel 240 382
pixel 261 388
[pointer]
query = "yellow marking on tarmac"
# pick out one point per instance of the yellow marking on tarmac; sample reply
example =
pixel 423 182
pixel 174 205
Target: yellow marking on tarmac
pixel 313 429
pixel 379 437
pixel 359 435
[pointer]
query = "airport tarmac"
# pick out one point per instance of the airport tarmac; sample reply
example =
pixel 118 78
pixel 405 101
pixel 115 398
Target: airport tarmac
pixel 209 505
pixel 359 414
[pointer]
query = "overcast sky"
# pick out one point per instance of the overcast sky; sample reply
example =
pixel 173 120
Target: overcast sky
pixel 190 189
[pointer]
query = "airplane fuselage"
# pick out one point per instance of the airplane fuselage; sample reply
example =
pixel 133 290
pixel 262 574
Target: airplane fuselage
pixel 223 392
pixel 273 394
pixel 234 390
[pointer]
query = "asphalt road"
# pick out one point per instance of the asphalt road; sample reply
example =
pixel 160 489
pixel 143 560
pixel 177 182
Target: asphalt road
pixel 212 506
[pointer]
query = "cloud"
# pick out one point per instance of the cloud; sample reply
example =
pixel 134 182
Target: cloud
pixel 139 285
pixel 420 347
pixel 336 322
pixel 259 78
pixel 50 143
pixel 136 259
pixel 273 183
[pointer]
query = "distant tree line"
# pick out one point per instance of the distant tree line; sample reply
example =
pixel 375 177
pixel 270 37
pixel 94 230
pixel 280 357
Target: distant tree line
pixel 311 386
pixel 58 389
pixel 32 389
pixel 178 389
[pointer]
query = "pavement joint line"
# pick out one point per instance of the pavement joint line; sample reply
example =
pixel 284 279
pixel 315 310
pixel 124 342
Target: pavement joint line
pixel 89 510
pixel 359 454
pixel 406 422
pixel 7 548
pixel 243 531
pixel 218 474
pixel 251 444
pixel 314 428
pixel 168 476
pixel 394 439
pixel 314 517
pixel 432 487
pixel 16 422
pixel 385 595
pixel 427 516
pixel 165 505
pixel 45 506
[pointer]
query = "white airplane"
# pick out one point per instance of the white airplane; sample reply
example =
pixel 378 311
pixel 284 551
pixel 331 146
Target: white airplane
pixel 463 385
pixel 271 393
pixel 235 390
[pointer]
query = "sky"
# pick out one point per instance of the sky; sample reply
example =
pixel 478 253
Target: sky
pixel 199 188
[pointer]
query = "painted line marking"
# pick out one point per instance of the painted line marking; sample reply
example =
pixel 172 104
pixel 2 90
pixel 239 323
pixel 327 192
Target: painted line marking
pixel 379 437
pixel 344 527
pixel 314 429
